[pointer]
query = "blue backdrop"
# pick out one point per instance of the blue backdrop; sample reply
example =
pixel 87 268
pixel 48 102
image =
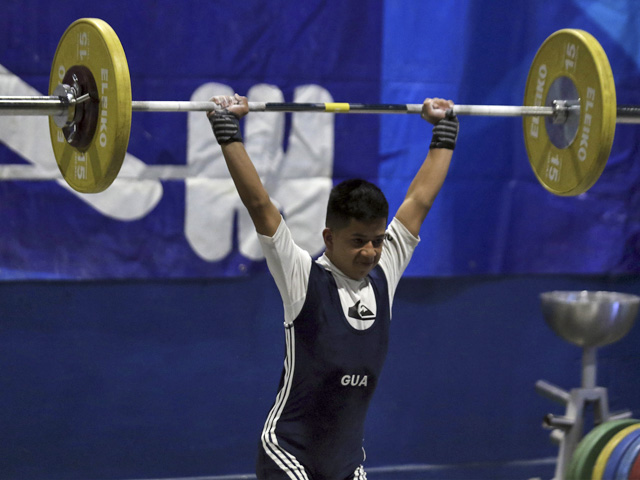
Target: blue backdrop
pixel 123 380
pixel 491 217
pixel 128 348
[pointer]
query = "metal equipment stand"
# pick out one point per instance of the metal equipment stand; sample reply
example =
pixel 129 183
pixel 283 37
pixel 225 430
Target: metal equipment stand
pixel 567 430
pixel 589 320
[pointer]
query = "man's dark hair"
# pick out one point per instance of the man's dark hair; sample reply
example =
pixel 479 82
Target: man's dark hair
pixel 358 199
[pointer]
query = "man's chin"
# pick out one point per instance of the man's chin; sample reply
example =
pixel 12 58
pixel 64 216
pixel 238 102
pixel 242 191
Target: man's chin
pixel 364 270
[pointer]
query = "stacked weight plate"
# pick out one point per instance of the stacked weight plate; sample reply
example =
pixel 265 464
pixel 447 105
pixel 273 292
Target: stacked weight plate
pixel 611 451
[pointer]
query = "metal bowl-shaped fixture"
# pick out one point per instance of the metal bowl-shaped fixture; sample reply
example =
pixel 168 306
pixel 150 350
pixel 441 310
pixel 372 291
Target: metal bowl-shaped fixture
pixel 590 318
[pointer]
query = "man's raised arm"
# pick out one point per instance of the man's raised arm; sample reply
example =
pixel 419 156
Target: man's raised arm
pixel 427 182
pixel 254 196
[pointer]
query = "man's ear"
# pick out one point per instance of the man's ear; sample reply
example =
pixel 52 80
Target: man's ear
pixel 327 236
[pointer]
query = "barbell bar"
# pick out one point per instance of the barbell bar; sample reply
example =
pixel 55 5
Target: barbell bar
pixel 55 105
pixel 569 111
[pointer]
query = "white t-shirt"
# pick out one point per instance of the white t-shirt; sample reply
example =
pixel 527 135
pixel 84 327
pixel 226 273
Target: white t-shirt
pixel 290 266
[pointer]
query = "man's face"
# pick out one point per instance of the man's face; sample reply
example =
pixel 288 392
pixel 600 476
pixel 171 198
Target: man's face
pixel 356 248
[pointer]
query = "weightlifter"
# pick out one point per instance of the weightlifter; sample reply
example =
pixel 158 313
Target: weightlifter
pixel 337 309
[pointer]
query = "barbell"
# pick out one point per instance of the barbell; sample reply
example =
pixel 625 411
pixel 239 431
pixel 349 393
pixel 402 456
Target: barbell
pixel 569 112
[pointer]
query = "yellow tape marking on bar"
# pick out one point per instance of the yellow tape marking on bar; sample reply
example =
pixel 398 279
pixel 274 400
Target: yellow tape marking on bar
pixel 336 107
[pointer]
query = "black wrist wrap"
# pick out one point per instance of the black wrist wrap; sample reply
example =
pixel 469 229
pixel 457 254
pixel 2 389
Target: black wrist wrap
pixel 226 127
pixel 445 133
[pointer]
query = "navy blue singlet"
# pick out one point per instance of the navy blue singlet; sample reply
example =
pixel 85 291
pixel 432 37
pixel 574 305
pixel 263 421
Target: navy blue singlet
pixel 331 371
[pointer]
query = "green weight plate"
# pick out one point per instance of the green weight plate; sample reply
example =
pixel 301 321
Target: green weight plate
pixel 586 454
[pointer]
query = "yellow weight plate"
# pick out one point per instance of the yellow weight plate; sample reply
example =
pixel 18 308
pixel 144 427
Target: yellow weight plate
pixel 605 454
pixel 91 43
pixel 568 158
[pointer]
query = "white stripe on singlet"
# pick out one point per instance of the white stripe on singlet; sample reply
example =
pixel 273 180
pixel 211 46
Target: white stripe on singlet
pixel 360 474
pixel 287 462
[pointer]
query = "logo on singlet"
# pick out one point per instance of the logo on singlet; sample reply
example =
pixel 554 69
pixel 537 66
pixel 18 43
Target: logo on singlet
pixel 361 312
pixel 354 380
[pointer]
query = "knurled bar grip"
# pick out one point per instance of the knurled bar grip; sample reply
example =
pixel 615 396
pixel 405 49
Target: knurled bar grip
pixel 481 110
